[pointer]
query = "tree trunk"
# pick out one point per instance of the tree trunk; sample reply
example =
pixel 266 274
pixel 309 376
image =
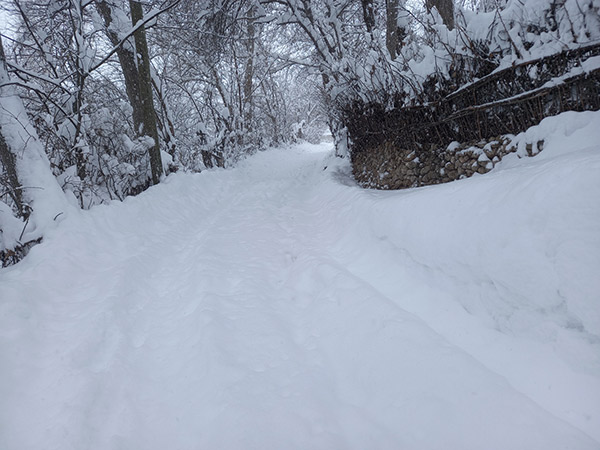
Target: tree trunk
pixel 164 122
pixel 368 14
pixel 249 69
pixel 145 87
pixel 6 157
pixel 445 8
pixel 392 31
pixel 126 55
pixel 8 162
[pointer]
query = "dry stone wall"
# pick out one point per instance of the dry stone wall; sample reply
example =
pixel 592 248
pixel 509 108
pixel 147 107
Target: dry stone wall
pixel 393 168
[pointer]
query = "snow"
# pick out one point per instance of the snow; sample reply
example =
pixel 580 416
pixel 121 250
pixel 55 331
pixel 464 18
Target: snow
pixel 40 189
pixel 278 305
pixel 10 227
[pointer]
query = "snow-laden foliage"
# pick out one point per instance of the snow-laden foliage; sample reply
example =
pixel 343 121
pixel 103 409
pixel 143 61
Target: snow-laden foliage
pixel 474 78
pixel 81 117
pixel 521 31
pixel 435 60
pixel 431 58
pixel 30 198
pixel 230 91
pixel 223 83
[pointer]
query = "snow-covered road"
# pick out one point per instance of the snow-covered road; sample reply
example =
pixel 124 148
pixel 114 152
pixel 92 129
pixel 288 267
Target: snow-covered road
pixel 278 306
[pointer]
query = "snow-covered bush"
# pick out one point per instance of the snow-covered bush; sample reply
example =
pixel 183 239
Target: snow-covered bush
pixel 435 60
pixel 494 73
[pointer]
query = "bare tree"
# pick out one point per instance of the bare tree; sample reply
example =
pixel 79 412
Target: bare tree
pixel 125 51
pixel 249 69
pixel 145 84
pixel 392 31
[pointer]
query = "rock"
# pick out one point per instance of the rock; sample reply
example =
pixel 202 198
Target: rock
pixel 540 145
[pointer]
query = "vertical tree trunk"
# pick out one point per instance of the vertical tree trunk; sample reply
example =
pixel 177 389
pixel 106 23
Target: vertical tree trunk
pixel 392 31
pixel 164 122
pixel 79 78
pixel 145 86
pixel 6 156
pixel 368 14
pixel 126 55
pixel 8 162
pixel 249 69
pixel 445 8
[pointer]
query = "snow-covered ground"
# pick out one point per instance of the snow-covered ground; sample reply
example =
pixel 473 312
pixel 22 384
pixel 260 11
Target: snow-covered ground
pixel 279 306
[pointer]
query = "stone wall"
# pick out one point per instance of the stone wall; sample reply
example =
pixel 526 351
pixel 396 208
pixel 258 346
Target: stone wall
pixel 395 168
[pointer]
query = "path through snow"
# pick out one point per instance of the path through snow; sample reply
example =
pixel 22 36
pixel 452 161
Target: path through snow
pixel 277 306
